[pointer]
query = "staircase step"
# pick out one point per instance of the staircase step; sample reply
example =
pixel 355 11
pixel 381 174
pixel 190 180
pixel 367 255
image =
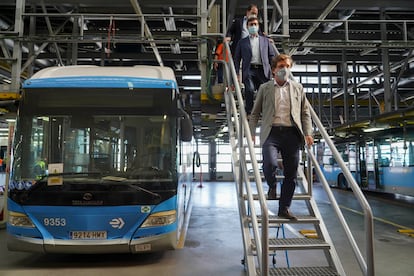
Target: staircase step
pixel 297 271
pixel 295 197
pixel 275 221
pixel 297 244
pixel 294 244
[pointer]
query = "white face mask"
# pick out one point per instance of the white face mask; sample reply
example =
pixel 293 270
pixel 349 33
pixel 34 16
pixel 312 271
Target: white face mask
pixel 283 74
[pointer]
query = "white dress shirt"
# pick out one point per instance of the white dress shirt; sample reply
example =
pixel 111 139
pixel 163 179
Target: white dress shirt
pixel 282 103
pixel 254 43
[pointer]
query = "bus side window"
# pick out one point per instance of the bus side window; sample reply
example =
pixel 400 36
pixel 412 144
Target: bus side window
pixel 385 162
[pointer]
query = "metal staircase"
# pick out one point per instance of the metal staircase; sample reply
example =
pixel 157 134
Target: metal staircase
pixel 320 242
pixel 258 223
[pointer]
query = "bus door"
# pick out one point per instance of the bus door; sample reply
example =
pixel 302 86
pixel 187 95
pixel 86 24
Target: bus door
pixel 365 165
pixel 362 169
pixel 384 160
pixel 371 167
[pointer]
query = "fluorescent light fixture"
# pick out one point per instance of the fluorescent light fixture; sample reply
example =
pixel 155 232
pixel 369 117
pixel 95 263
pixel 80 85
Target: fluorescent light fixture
pixel 191 88
pixel 191 77
pixel 372 129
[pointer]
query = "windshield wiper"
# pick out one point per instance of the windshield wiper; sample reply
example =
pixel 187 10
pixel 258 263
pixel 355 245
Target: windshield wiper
pixel 138 188
pixel 45 176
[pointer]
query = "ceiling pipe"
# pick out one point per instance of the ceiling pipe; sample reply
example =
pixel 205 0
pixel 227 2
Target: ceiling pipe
pixel 147 31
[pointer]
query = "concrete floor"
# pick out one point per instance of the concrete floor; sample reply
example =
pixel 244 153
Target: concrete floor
pixel 213 244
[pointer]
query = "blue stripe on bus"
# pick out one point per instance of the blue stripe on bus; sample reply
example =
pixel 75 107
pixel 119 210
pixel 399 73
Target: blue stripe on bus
pixel 99 82
pixel 56 222
pixel 397 176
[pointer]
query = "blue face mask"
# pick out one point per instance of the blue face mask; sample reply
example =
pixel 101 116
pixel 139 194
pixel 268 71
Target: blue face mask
pixel 253 29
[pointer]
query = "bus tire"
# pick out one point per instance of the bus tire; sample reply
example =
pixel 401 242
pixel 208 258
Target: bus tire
pixel 342 182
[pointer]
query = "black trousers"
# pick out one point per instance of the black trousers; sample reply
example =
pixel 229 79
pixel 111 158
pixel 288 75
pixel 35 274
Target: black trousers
pixel 251 83
pixel 285 141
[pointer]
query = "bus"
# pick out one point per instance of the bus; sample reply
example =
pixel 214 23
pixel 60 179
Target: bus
pixel 101 162
pixel 381 163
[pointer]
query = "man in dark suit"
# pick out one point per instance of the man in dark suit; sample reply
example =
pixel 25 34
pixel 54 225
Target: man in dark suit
pixel 238 29
pixel 256 52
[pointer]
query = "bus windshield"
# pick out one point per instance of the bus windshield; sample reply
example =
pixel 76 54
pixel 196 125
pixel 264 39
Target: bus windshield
pixel 70 146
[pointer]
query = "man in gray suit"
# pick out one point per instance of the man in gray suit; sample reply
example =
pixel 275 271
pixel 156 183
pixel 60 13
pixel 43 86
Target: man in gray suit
pixel 256 52
pixel 286 126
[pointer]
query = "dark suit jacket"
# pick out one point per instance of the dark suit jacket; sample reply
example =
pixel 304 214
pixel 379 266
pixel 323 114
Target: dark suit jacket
pixel 244 52
pixel 235 32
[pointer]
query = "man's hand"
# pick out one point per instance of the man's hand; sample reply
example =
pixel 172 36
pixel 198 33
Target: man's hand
pixel 309 140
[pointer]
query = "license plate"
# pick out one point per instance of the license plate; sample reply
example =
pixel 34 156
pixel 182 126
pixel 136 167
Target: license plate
pixel 143 247
pixel 88 235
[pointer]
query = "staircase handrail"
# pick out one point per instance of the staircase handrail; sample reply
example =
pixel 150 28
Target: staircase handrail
pixel 367 266
pixel 244 133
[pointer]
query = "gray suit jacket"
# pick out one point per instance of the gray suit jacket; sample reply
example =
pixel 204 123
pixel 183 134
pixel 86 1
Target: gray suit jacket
pixel 265 105
pixel 244 52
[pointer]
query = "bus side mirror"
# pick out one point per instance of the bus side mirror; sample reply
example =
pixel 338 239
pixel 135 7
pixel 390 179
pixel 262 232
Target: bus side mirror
pixel 186 133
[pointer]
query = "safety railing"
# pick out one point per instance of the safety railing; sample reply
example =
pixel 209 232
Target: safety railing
pixel 241 139
pixel 244 141
pixel 367 266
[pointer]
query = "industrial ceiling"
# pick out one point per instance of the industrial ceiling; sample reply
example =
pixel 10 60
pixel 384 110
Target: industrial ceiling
pixel 361 53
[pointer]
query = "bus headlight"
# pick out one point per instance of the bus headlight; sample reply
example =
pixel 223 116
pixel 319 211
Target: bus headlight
pixel 19 220
pixel 160 219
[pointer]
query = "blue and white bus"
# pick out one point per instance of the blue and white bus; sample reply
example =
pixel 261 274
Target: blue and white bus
pixel 101 162
pixel 384 163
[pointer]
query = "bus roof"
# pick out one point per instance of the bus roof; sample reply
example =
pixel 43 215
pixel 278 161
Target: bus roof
pixel 138 71
pixel 90 76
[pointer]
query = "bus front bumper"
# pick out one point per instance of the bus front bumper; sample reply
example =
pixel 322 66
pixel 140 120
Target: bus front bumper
pixel 142 245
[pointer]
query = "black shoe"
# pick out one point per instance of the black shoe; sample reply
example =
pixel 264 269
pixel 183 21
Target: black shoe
pixel 285 213
pixel 271 194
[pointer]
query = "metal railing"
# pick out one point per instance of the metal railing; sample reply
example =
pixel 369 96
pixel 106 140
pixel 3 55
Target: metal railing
pixel 367 266
pixel 241 139
pixel 238 118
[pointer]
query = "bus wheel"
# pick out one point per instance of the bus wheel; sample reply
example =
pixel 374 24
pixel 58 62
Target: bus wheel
pixel 342 183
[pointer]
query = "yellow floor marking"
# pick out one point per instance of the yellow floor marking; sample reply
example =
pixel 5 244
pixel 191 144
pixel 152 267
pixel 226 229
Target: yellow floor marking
pixel 306 231
pixel 311 234
pixel 402 229
pixel 408 231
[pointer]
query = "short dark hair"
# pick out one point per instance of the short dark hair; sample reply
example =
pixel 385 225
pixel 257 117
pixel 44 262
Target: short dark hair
pixel 279 58
pixel 251 6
